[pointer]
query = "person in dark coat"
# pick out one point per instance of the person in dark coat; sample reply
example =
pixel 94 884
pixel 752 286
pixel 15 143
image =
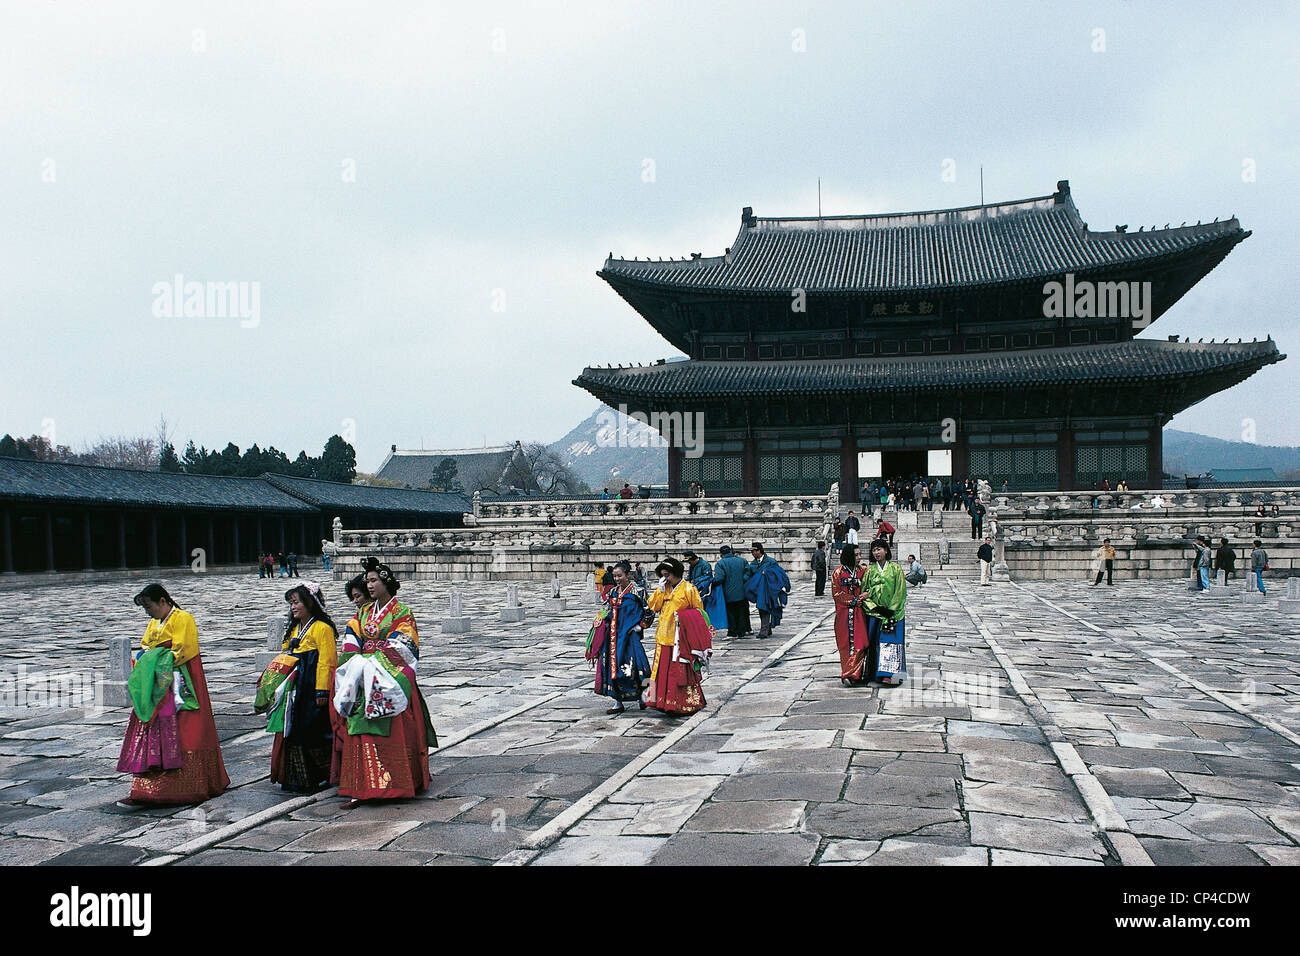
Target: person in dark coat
pixel 819 568
pixel 1225 560
pixel 729 574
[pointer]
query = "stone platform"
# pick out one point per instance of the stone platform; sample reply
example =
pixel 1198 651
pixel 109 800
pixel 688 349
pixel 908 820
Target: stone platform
pixel 1045 723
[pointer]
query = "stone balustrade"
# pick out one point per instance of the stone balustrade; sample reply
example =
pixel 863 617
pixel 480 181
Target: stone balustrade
pixel 534 510
pixel 1054 504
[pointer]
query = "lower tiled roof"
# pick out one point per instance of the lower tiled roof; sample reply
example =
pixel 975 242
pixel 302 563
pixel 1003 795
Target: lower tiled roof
pixel 1132 362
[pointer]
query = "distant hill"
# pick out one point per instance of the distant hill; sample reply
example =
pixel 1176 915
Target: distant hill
pixel 1187 453
pixel 606 450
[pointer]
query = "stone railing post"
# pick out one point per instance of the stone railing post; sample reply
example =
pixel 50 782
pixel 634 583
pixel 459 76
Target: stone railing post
pixel 338 530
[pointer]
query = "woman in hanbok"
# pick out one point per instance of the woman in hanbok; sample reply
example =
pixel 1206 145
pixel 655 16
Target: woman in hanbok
pixel 885 600
pixel 302 752
pixel 851 628
pixel 621 665
pixel 387 733
pixel 683 643
pixel 171 743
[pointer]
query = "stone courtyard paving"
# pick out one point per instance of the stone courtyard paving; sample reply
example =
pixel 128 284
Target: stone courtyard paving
pixel 1044 723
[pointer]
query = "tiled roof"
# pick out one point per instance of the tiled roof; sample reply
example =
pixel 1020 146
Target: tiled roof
pixel 1131 362
pixel 969 246
pixel 415 468
pixel 22 478
pixel 335 494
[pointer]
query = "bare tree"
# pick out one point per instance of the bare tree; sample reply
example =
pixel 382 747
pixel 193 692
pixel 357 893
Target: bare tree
pixel 535 467
pixel 139 453
pixel 483 474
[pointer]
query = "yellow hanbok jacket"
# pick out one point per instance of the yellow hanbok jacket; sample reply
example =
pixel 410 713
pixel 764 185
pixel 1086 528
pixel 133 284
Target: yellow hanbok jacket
pixel 179 629
pixel 319 638
pixel 667 604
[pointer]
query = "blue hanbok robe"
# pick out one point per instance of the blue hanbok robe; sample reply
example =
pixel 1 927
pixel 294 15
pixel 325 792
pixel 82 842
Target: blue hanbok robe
pixel 768 588
pixel 624 667
pixel 715 603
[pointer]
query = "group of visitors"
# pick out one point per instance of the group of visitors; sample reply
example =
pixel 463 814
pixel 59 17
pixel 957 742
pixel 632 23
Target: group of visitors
pixel 344 708
pixel 870 598
pixel 693 602
pixel 1223 562
pixel 288 564
pixel 918 493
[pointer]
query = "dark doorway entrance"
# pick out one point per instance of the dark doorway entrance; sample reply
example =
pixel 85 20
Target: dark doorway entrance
pixel 902 464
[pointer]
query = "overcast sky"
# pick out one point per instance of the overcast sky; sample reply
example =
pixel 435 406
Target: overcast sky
pixel 424 192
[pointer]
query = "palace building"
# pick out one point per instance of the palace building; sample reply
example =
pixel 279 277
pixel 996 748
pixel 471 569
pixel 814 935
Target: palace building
pixel 994 341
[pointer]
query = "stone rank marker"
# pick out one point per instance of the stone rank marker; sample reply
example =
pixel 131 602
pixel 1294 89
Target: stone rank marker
pixel 274 643
pixel 512 613
pixel 555 602
pixel 1292 599
pixel 119 668
pixel 455 622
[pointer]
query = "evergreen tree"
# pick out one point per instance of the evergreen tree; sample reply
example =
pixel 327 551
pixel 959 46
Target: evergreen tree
pixel 167 460
pixel 444 476
pixel 339 460
pixel 8 447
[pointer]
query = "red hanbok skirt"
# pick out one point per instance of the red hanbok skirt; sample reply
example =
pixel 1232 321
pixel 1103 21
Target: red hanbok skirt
pixel 674 685
pixel 202 774
pixel 853 647
pixel 372 767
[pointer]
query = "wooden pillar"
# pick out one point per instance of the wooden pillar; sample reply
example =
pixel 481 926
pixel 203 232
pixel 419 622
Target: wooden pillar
pixel 49 541
pixel 235 522
pixel 153 541
pixel 1156 457
pixel 750 468
pixel 282 547
pixel 8 543
pixel 674 472
pixel 212 540
pixel 185 542
pixel 1065 458
pixel 960 456
pixel 121 539
pixel 88 559
pixel 849 490
pixel 302 537
pixel 260 550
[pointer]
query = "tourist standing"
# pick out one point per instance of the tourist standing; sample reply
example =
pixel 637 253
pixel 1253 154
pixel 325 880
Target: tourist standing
pixel 701 575
pixel 1104 558
pixel 302 751
pixel 837 534
pixel 886 600
pixel 976 511
pixel 1259 563
pixel 293 564
pixel 986 561
pixel 1202 564
pixel 851 629
pixel 387 735
pixel 766 585
pixel 621 665
pixel 683 643
pixel 638 577
pixel 1225 561
pixel 171 745
pixel 851 528
pixel 819 569
pixel 730 574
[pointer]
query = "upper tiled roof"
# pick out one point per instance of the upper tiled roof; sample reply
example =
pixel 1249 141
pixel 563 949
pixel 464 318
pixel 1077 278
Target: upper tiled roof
pixel 414 468
pixel 969 246
pixel 22 478
pixel 1132 362
pixel 335 494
